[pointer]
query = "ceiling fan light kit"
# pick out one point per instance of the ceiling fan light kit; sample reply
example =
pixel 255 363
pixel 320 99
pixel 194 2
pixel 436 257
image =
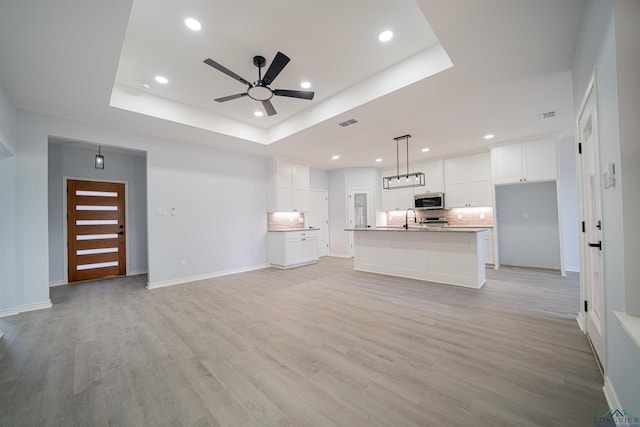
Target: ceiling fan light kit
pixel 407 180
pixel 260 90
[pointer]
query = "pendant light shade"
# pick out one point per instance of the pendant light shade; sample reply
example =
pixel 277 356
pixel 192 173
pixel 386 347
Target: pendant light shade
pixel 99 162
pixel 416 179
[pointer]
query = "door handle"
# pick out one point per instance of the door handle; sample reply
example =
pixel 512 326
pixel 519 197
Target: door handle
pixel 122 232
pixel 596 245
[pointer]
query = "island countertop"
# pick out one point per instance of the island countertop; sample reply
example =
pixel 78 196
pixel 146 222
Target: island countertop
pixel 423 229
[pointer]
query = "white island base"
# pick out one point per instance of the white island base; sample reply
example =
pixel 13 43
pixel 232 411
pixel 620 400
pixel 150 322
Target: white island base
pixel 451 256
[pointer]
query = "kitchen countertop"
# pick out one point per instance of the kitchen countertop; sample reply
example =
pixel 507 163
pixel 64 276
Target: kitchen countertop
pixel 423 229
pixel 293 229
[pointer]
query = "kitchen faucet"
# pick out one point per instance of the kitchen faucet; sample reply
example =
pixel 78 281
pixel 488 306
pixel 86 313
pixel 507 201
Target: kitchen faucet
pixel 406 218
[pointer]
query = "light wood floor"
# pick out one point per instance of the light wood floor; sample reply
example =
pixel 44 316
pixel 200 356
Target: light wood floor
pixel 314 346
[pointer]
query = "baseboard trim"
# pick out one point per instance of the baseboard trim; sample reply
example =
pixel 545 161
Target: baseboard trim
pixel 137 272
pixel 573 269
pixel 611 395
pixel 182 280
pixel 57 283
pixel 339 255
pixel 580 320
pixel 26 307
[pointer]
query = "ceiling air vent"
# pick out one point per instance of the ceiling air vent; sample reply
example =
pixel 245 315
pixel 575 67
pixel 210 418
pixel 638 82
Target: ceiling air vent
pixel 348 122
pixel 548 115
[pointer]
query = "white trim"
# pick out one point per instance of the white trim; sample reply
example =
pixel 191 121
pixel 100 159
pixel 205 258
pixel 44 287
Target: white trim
pixel 573 268
pixel 631 325
pixel 137 272
pixel 580 320
pixel 611 395
pixel 1 333
pixel 26 307
pixel 182 280
pixel 9 312
pixel 57 283
pixel 339 255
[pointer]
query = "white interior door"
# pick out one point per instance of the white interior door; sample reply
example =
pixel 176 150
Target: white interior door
pixel 319 217
pixel 360 213
pixel 591 207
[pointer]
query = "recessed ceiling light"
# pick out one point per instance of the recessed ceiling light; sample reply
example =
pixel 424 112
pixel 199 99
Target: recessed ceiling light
pixel 193 24
pixel 385 36
pixel 378 160
pixel 162 80
pixel 424 150
pixel 489 136
pixel 336 157
pixel 305 85
pixel 145 85
pixel 258 113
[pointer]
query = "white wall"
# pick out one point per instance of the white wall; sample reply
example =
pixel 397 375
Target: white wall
pixel 220 200
pixel 8 279
pixel 627 16
pixel 318 179
pixel 596 54
pixel 568 198
pixel 8 285
pixel 75 162
pixel 528 223
pixel 7 125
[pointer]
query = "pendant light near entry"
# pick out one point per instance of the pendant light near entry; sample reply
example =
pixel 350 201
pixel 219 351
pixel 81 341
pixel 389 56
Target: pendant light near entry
pixel 99 162
pixel 416 179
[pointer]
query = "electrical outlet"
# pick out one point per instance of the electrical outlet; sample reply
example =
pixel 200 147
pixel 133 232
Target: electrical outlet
pixel 459 216
pixel 300 220
pixel 162 211
pixel 290 220
pixel 481 216
pixel 525 215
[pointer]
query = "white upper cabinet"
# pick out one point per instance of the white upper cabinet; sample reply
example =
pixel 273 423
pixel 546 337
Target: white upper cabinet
pixel 288 186
pixel 433 176
pixel 524 162
pixel 467 181
pixel 398 199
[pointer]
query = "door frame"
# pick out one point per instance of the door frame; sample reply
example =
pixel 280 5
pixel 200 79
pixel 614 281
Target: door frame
pixel 589 106
pixel 351 213
pixel 65 271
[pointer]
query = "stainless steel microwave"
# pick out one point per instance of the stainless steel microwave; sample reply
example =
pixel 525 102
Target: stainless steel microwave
pixel 429 201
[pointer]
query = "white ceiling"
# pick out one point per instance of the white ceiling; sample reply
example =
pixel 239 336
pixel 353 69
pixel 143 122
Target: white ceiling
pixel 85 59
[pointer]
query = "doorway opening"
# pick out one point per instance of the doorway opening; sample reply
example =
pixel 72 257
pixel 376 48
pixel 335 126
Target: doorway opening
pixel 360 212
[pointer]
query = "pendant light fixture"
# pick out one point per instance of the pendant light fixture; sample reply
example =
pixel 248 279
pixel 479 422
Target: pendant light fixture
pixel 99 162
pixel 416 179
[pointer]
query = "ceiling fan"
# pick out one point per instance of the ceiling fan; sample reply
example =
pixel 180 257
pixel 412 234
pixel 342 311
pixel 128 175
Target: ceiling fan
pixel 260 90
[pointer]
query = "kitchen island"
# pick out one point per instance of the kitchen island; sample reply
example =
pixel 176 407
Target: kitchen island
pixel 454 256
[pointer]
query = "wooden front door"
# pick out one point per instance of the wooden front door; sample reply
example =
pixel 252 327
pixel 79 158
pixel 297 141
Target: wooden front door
pixel 95 230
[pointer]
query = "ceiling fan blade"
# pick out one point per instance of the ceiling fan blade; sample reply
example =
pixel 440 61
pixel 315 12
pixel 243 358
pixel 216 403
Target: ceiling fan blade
pixel 225 70
pixel 276 66
pixel 230 97
pixel 303 94
pixel 268 107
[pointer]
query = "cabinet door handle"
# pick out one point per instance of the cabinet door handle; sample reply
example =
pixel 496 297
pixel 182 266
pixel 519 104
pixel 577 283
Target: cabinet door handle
pixel 596 245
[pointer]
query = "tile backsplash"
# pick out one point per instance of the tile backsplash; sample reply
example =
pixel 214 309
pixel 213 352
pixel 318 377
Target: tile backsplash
pixel 285 220
pixel 460 217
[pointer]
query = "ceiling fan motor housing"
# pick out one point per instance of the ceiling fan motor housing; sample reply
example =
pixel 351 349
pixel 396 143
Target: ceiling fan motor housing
pixel 259 92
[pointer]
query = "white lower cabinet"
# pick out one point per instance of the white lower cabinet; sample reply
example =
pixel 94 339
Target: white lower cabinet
pixel 488 246
pixel 289 249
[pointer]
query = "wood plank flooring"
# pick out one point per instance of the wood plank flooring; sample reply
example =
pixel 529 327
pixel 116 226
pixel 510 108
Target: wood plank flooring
pixel 321 345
